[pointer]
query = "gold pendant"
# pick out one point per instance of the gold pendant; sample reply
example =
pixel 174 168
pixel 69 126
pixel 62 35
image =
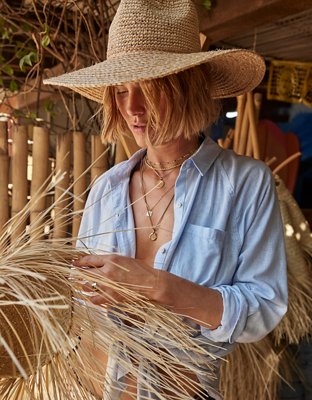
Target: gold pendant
pixel 160 184
pixel 153 236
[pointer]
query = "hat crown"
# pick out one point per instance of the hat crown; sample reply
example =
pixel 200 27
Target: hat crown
pixel 154 25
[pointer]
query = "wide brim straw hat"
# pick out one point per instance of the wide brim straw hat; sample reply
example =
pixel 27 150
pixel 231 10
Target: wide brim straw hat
pixel 150 39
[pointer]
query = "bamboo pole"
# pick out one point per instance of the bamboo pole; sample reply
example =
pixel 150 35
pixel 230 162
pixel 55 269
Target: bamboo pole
pixel 80 181
pixel 40 170
pixel 253 125
pixel 99 160
pixel 63 146
pixel 257 102
pixel 243 135
pixel 228 139
pixel 4 174
pixel 241 101
pixel 19 176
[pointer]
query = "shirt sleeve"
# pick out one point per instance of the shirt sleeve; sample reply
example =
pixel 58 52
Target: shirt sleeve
pixel 256 300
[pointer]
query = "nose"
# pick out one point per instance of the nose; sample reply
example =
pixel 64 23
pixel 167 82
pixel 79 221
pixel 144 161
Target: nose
pixel 136 104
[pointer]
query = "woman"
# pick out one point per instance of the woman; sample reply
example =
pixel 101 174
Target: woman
pixel 197 228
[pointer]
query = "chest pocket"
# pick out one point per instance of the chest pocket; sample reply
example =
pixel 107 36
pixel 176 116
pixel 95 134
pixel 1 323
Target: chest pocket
pixel 199 254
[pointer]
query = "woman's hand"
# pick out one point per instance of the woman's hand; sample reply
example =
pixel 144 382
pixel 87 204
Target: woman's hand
pixel 130 273
pixel 201 304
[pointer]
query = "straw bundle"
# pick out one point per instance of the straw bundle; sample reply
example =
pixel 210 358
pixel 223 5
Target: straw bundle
pixel 251 372
pixel 46 320
pixel 297 324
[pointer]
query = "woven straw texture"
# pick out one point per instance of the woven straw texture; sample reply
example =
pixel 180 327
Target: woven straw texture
pixel 150 39
pixel 20 328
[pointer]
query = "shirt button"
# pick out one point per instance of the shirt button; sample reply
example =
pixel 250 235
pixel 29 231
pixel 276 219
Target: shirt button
pixel 163 251
pixel 179 205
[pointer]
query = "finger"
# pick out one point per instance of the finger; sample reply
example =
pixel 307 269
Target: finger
pixel 92 287
pixel 90 260
pixel 98 300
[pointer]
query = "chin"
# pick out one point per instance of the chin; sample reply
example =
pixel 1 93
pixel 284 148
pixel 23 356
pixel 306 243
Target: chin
pixel 140 139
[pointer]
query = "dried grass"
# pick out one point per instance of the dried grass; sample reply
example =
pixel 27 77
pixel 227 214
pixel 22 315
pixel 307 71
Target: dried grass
pixel 44 315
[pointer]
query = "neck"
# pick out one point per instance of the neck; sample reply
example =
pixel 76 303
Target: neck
pixel 171 151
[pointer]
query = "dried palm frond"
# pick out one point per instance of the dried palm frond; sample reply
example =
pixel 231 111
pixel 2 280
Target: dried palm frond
pixel 297 323
pixel 48 326
pixel 252 372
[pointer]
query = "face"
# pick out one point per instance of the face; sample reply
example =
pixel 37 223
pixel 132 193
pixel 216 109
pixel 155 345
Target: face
pixel 132 105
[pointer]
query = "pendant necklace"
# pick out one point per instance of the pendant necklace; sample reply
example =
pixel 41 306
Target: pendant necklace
pixel 153 235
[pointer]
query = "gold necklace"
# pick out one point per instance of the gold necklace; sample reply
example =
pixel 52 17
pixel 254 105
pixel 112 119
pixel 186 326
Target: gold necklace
pixel 149 211
pixel 165 164
pixel 161 183
pixel 153 235
pixel 161 166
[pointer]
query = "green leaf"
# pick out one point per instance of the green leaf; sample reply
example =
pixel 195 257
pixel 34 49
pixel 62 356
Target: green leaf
pixel 5 34
pixel 8 70
pixel 13 86
pixel 45 41
pixel 27 60
pixel 48 105
pixel 31 115
pixel 207 4
pixel 17 113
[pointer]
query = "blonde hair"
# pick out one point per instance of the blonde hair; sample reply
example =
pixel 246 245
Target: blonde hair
pixel 189 107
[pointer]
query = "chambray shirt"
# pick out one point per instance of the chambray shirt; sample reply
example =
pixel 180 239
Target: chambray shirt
pixel 227 235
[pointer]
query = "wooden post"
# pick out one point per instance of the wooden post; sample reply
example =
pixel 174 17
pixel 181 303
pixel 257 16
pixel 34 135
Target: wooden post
pixel 98 159
pixel 253 125
pixel 80 180
pixel 63 146
pixel 4 174
pixel 258 102
pixel 243 133
pixel 40 172
pixel 19 176
pixel 241 101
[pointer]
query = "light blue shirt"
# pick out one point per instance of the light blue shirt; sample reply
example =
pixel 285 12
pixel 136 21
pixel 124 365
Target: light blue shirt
pixel 227 235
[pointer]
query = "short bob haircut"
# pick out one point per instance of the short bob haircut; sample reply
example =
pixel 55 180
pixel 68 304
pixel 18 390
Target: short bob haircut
pixel 189 107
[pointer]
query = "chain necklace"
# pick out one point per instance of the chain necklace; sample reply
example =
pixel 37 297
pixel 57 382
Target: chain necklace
pixel 166 165
pixel 153 235
pixel 161 183
pixel 149 211
pixel 162 167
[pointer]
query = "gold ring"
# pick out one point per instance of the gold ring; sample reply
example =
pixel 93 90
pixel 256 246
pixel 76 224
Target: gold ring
pixel 95 287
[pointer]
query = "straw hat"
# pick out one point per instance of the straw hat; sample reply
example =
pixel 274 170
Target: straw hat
pixel 150 39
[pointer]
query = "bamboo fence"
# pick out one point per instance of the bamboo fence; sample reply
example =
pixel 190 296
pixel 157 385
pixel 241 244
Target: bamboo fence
pixel 19 154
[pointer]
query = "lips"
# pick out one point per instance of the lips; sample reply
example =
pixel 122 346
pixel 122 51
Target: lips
pixel 139 127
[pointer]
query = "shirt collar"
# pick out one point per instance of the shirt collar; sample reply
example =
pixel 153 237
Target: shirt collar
pixel 205 156
pixel 202 159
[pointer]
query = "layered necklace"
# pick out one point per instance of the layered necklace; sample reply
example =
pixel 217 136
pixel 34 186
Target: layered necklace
pixel 156 167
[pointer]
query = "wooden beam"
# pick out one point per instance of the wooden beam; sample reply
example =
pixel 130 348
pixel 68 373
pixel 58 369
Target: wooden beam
pixel 233 17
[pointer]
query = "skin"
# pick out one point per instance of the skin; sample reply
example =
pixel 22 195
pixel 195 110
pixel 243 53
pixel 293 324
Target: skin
pixel 201 303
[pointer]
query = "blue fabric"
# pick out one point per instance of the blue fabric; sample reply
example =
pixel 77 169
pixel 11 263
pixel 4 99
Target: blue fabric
pixel 227 235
